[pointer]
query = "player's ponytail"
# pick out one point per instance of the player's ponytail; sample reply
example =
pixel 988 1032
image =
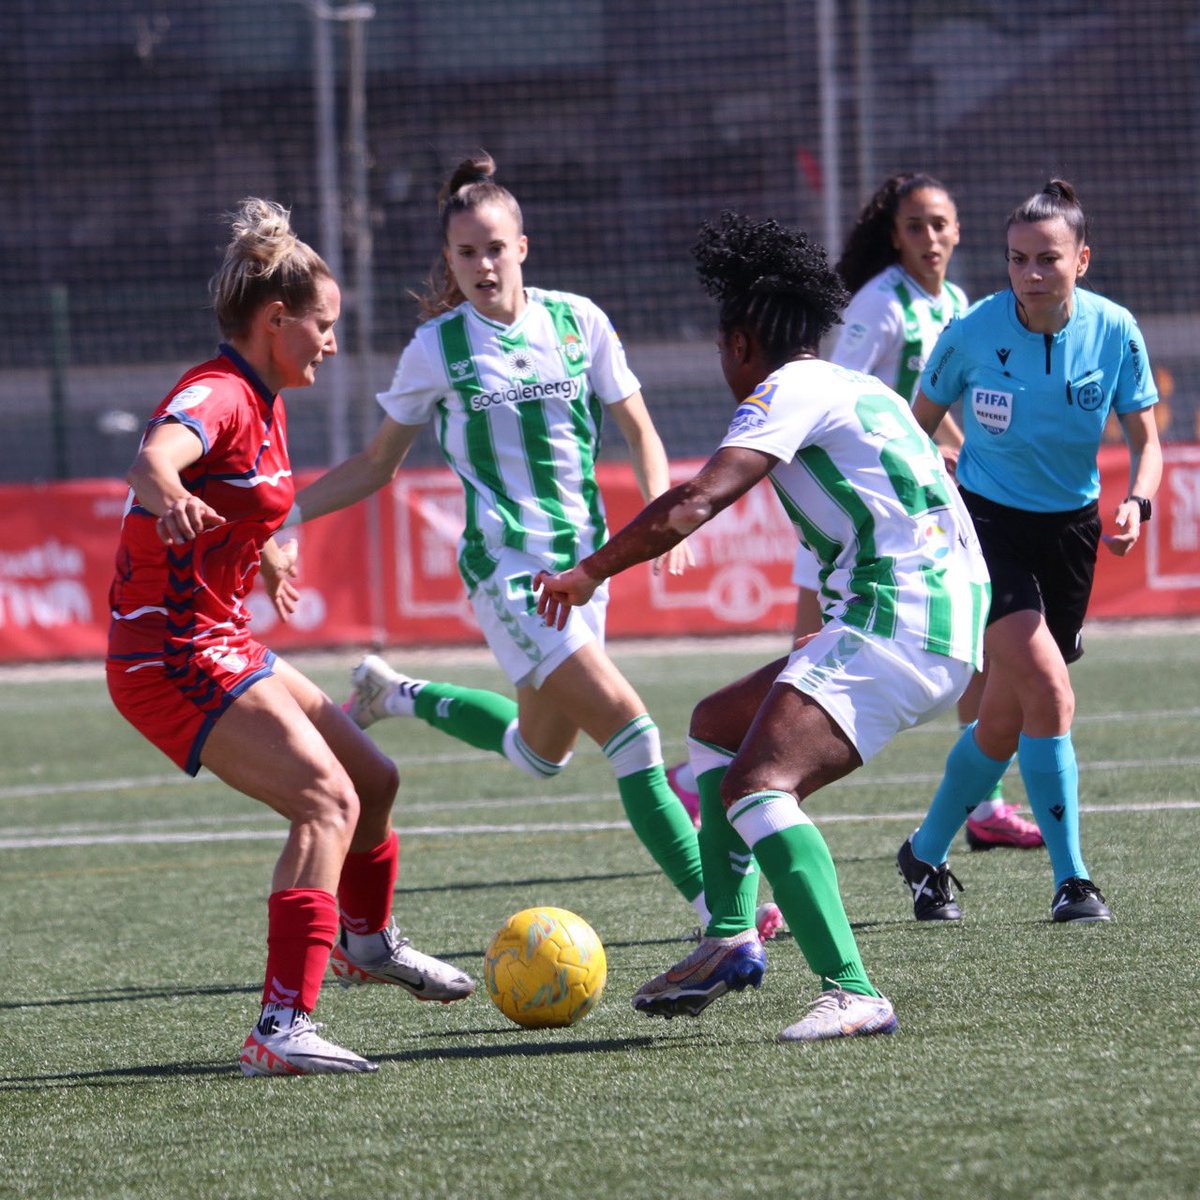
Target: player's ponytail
pixel 1056 199
pixel 264 261
pixel 470 185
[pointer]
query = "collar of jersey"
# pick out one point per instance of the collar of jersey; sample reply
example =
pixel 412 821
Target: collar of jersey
pixel 497 325
pixel 942 295
pixel 252 376
pixel 1010 307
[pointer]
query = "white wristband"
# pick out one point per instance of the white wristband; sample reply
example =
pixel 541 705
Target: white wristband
pixel 294 517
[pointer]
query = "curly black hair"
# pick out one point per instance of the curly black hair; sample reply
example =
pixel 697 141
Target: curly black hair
pixel 772 281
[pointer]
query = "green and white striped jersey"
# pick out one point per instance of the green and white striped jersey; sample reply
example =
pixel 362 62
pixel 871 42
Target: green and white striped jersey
pixel 890 325
pixel 868 494
pixel 518 411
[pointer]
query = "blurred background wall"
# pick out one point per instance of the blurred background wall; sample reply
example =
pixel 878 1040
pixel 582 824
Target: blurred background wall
pixel 129 126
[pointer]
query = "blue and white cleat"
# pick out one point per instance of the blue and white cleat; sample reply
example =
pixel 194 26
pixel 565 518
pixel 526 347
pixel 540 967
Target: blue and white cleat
pixel 716 966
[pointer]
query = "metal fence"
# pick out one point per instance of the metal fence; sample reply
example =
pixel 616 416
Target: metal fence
pixel 129 126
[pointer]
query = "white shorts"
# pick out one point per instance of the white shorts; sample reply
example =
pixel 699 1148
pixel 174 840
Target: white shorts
pixel 806 569
pixel 526 648
pixel 873 687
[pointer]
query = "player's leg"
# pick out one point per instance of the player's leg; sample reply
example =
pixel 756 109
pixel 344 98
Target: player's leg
pixel 505 607
pixel 839 701
pixel 1047 758
pixel 1031 660
pixel 981 755
pixel 370 948
pixel 730 956
pixel 303 781
pixel 993 823
pixel 476 716
pixel 587 692
pixel 792 749
pixel 719 723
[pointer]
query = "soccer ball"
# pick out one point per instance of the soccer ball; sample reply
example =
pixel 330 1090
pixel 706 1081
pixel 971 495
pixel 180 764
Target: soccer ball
pixel 545 968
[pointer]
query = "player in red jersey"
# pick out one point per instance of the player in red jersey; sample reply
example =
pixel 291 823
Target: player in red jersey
pixel 211 483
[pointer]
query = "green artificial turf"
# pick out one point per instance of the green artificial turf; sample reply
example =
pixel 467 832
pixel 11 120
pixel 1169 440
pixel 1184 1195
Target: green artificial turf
pixel 1032 1060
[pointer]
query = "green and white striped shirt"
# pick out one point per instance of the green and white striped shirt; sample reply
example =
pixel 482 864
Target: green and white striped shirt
pixel 890 326
pixel 518 411
pixel 868 494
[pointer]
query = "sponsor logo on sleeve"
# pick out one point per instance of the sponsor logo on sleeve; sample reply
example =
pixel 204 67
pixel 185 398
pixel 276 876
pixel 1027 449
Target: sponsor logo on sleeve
pixel 947 355
pixel 992 409
pixel 1136 351
pixel 189 398
pixel 854 334
pixel 752 412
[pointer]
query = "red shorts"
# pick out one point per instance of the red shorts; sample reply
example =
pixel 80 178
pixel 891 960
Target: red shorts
pixel 176 704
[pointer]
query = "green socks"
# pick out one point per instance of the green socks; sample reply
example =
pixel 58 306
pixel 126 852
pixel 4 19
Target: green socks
pixel 472 715
pixel 730 873
pixel 794 857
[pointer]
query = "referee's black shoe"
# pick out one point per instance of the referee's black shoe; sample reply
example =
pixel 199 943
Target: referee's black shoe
pixel 1079 900
pixel 932 898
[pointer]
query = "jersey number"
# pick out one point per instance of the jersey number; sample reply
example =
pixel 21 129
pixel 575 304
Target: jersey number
pixel 910 459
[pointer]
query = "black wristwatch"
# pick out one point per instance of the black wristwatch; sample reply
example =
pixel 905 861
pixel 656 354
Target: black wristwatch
pixel 1144 507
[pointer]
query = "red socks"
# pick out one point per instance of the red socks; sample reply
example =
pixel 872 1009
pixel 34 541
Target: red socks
pixel 302 925
pixel 366 886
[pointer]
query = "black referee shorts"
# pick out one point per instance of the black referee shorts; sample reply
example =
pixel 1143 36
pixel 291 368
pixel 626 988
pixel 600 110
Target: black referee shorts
pixel 1044 562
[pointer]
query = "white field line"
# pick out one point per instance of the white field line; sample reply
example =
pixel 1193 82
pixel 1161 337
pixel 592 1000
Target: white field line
pixel 133 783
pixel 137 835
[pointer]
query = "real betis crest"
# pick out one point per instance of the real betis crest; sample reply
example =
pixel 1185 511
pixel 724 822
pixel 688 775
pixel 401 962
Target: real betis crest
pixel 572 349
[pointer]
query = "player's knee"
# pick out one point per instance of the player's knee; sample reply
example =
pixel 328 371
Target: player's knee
pixel 1065 702
pixel 636 746
pixel 377 791
pixel 709 721
pixel 519 753
pixel 745 780
pixel 1050 695
pixel 330 805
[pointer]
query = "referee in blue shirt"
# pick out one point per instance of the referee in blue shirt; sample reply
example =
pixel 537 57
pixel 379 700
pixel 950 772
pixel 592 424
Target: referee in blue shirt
pixel 1038 367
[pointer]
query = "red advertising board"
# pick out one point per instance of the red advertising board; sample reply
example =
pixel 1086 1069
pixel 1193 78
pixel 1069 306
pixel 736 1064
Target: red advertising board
pixel 384 572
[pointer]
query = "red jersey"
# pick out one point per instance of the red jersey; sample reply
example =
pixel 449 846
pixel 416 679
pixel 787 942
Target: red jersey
pixel 174 602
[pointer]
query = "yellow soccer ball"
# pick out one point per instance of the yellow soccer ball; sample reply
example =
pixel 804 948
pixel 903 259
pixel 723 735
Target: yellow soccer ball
pixel 545 968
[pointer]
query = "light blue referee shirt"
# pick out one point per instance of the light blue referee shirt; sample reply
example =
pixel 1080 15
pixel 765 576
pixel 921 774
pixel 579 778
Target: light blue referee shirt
pixel 1035 405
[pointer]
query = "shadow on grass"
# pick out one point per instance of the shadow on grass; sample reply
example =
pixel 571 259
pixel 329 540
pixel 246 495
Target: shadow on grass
pixel 123 995
pixel 522 1048
pixel 116 1076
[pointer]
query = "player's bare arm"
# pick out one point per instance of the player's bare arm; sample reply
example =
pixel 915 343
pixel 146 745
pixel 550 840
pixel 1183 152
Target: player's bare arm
pixel 157 483
pixel 278 568
pixel 1145 474
pixel 935 419
pixel 358 476
pixel 663 523
pixel 929 415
